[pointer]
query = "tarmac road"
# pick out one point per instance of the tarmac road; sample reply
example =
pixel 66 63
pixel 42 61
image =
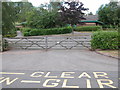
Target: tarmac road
pixel 57 60
pixel 29 68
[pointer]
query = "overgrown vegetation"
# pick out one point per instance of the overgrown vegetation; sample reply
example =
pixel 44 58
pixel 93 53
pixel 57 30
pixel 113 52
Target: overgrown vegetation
pixel 105 40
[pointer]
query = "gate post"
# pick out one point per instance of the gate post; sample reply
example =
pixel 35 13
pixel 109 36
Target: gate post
pixel 46 43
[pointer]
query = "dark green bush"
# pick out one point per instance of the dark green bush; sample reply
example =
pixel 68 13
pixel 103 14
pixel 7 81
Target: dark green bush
pixel 11 34
pixel 87 28
pixel 104 40
pixel 109 26
pixel 26 29
pixel 51 31
pixel 26 34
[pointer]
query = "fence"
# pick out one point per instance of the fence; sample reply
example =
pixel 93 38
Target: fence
pixel 50 42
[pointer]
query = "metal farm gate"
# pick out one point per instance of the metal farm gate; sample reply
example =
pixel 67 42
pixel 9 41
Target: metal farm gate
pixel 50 42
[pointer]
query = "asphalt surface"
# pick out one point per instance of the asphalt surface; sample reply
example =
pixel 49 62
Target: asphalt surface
pixel 56 62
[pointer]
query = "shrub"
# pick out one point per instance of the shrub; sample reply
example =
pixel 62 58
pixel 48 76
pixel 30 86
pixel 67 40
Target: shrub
pixel 26 34
pixel 35 32
pixel 87 28
pixel 51 31
pixel 109 26
pixel 104 40
pixel 110 29
pixel 26 29
pixel 11 34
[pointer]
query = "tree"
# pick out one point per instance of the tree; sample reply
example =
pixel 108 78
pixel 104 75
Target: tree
pixel 72 12
pixel 37 18
pixel 49 19
pixel 21 9
pixel 110 14
pixel 44 16
pixel 13 12
pixel 8 17
pixel 54 6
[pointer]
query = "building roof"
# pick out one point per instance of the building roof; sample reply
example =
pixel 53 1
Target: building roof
pixel 91 17
pixel 86 21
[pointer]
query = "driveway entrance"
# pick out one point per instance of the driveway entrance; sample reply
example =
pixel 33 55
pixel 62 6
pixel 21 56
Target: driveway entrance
pixel 50 42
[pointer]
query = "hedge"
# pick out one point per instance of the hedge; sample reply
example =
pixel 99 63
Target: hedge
pixel 87 28
pixel 109 26
pixel 51 31
pixel 104 40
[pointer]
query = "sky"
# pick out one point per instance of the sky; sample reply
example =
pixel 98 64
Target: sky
pixel 93 5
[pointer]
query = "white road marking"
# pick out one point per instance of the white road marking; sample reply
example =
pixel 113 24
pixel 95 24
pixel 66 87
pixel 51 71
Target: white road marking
pixel 29 81
pixel 12 73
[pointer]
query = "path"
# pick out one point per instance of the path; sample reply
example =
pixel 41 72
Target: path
pixel 19 34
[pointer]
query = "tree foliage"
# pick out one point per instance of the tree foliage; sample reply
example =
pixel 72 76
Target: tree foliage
pixel 72 12
pixel 45 16
pixel 110 14
pixel 21 10
pixel 8 17
pixel 13 12
pixel 48 15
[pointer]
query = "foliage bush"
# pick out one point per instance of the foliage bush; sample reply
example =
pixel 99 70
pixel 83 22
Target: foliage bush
pixel 105 40
pixel 108 26
pixel 11 34
pixel 26 29
pixel 26 33
pixel 87 28
pixel 51 31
